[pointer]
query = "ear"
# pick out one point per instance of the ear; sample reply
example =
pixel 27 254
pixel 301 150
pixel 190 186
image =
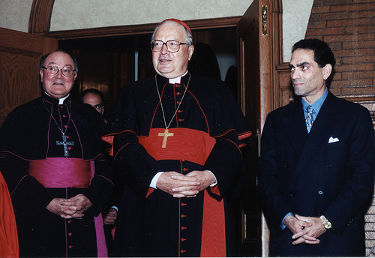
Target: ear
pixel 41 75
pixel 75 76
pixel 191 51
pixel 327 70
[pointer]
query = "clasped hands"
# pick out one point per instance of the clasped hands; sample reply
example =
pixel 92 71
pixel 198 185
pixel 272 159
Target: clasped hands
pixel 305 229
pixel 73 208
pixel 189 185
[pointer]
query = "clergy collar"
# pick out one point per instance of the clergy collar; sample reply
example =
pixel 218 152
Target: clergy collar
pixel 60 100
pixel 177 79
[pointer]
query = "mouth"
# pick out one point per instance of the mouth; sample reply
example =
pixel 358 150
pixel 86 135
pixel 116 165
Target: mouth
pixel 298 83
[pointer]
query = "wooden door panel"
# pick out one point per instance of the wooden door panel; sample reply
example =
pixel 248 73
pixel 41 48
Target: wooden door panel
pixel 19 67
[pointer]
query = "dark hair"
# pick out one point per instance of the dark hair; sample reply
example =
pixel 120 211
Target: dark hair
pixel 43 59
pixel 92 91
pixel 322 54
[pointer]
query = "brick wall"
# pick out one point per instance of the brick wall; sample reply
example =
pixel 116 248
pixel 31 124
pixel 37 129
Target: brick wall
pixel 348 26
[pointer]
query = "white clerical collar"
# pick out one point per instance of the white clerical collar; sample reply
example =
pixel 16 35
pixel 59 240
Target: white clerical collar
pixel 177 79
pixel 61 100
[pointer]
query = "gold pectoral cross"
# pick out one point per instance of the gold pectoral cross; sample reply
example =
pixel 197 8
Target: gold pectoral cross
pixel 165 135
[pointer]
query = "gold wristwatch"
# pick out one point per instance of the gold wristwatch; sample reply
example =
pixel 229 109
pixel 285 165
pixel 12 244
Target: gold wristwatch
pixel 326 222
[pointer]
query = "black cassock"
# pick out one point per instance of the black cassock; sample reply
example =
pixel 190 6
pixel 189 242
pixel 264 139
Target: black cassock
pixel 152 222
pixel 32 133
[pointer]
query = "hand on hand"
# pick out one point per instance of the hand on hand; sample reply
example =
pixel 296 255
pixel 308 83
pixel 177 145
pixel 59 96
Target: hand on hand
pixel 70 208
pixel 188 185
pixel 305 229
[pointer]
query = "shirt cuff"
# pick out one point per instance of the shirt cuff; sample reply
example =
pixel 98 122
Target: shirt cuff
pixel 282 222
pixel 155 180
pixel 215 183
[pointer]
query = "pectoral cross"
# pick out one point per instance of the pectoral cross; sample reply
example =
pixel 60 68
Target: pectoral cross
pixel 66 144
pixel 165 135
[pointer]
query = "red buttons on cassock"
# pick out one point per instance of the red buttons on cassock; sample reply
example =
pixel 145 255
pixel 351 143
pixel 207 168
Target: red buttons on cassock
pixel 183 204
pixel 69 234
pixel 183 239
pixel 70 247
pixel 69 221
pixel 180 119
pixel 184 169
pixel 183 215
pixel 183 228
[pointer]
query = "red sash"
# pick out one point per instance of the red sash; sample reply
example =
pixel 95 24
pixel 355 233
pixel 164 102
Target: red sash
pixel 72 173
pixel 8 227
pixel 195 146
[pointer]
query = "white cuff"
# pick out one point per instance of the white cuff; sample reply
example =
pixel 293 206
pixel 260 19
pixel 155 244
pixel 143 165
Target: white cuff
pixel 215 183
pixel 155 180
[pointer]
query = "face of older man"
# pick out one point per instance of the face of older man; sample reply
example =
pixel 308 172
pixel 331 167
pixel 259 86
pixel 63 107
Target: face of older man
pixel 58 85
pixel 167 64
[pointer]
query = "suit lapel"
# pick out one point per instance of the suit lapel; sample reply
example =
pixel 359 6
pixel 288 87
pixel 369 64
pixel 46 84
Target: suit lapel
pixel 317 138
pixel 294 120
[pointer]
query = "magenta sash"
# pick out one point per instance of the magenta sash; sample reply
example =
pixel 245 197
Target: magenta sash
pixel 73 173
pixel 61 172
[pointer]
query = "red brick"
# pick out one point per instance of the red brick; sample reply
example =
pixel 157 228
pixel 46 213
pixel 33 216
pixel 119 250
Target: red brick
pixel 320 9
pixel 317 24
pixel 347 15
pixel 336 91
pixel 366 28
pixel 357 75
pixel 354 7
pixel 312 32
pixel 338 76
pixel 358 60
pixel 349 37
pixel 354 52
pixel 350 22
pixel 355 67
pixel 359 44
pixel 356 90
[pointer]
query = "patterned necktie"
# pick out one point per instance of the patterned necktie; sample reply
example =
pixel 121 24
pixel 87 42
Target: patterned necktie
pixel 309 117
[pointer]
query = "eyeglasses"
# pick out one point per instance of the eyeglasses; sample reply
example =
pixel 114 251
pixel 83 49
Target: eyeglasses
pixel 67 71
pixel 172 45
pixel 98 106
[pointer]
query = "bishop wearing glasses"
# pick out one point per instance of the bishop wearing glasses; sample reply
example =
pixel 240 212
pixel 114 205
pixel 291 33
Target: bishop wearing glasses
pixel 177 143
pixel 51 157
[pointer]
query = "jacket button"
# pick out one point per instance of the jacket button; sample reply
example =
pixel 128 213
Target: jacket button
pixel 320 192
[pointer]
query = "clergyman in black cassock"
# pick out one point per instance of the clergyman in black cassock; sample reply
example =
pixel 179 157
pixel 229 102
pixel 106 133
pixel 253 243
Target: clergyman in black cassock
pixel 51 157
pixel 184 132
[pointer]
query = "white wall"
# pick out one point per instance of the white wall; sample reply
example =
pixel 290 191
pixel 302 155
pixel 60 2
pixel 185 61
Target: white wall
pixel 73 14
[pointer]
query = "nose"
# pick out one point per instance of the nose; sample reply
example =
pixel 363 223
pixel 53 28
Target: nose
pixel 164 49
pixel 59 73
pixel 295 74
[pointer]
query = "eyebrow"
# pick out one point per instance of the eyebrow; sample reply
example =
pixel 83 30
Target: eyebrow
pixel 299 65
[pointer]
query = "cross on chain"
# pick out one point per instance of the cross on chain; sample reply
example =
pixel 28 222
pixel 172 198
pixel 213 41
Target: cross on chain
pixel 66 144
pixel 165 135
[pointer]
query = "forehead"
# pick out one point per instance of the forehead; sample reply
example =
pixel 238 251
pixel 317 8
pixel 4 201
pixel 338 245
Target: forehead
pixel 59 58
pixel 170 30
pixel 301 55
pixel 92 97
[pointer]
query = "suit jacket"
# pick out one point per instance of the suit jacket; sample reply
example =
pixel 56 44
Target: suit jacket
pixel 328 172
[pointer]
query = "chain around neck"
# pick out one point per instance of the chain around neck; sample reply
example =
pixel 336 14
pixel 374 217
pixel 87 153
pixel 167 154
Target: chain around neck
pixel 69 111
pixel 161 103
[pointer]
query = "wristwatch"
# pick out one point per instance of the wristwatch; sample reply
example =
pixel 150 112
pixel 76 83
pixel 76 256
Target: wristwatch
pixel 326 223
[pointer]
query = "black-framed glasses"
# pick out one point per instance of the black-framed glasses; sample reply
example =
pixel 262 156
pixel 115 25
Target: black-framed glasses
pixel 67 70
pixel 172 45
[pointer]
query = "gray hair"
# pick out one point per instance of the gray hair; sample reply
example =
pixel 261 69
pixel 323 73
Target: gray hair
pixel 188 36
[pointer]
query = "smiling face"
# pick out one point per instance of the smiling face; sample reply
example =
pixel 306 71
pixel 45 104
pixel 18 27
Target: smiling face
pixel 307 77
pixel 167 64
pixel 57 85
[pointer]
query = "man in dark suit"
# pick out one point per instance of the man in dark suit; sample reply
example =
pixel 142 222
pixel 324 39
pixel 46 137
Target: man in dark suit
pixel 317 164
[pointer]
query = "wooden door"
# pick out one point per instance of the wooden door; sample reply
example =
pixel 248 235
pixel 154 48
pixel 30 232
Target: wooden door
pixel 259 32
pixel 19 67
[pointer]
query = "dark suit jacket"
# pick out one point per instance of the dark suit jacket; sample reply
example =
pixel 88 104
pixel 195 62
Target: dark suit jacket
pixel 307 175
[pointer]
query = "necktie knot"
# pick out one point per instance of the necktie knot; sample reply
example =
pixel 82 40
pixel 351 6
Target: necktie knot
pixel 309 117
